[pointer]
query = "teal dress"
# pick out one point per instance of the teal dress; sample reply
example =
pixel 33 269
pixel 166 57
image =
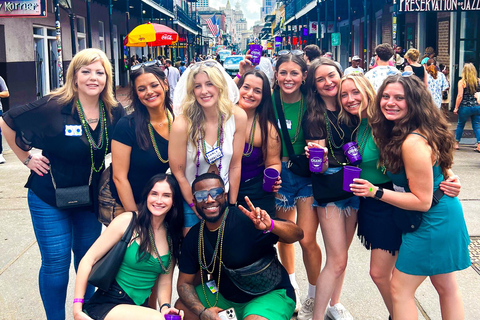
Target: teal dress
pixel 440 245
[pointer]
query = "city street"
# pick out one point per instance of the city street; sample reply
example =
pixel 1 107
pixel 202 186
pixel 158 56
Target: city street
pixel 20 257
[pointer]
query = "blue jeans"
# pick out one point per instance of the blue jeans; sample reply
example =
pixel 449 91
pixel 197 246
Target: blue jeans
pixel 59 232
pixel 464 113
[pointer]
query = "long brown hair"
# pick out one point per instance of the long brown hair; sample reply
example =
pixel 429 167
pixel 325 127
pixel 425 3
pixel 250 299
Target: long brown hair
pixel 422 115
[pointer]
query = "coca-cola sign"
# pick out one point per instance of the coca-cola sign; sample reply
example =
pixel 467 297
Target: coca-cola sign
pixel 167 37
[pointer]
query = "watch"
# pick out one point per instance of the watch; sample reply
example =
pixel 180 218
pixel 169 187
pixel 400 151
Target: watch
pixel 379 194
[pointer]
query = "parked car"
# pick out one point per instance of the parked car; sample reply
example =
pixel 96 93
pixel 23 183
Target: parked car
pixel 232 64
pixel 223 54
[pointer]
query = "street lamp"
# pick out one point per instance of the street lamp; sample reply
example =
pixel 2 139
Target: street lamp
pixel 67 6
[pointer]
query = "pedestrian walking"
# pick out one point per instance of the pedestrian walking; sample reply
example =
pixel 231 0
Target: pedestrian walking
pixel 467 105
pixel 73 126
pixel 418 69
pixel 383 54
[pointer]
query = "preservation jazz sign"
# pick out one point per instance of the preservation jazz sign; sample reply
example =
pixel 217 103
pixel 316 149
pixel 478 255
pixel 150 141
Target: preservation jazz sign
pixel 437 5
pixel 22 8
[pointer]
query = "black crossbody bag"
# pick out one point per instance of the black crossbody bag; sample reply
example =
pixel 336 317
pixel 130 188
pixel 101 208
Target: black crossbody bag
pixel 298 164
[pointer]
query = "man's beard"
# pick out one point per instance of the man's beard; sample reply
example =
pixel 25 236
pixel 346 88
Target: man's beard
pixel 212 219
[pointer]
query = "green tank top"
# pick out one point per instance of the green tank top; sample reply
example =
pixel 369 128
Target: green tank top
pixel 370 154
pixel 137 278
pixel 294 121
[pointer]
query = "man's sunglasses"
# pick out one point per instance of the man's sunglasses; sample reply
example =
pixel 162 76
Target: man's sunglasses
pixel 145 64
pixel 202 195
pixel 292 52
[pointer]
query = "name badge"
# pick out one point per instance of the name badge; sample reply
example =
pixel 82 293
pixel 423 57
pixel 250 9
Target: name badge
pixel 289 124
pixel 213 155
pixel 73 130
pixel 212 286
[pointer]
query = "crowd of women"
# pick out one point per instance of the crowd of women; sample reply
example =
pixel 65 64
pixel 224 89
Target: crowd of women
pixel 237 131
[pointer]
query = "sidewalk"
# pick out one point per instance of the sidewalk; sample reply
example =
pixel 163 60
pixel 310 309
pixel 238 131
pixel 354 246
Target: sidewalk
pixel 20 257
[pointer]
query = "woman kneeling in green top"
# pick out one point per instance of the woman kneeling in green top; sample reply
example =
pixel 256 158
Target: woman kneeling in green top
pixel 150 256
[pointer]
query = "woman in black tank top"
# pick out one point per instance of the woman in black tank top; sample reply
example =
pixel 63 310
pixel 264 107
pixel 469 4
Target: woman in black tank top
pixel 419 70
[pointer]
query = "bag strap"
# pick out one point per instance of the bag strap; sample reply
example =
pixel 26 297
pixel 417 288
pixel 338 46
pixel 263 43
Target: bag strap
pixel 437 195
pixel 283 124
pixel 129 231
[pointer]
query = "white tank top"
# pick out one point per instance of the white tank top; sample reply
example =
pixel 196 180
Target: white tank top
pixel 227 150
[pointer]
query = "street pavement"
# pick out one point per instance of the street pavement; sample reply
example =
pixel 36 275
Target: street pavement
pixel 20 257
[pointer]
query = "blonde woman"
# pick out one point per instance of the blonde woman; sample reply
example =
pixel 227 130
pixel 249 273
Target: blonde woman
pixel 418 69
pixel 73 127
pixel 208 136
pixel 466 105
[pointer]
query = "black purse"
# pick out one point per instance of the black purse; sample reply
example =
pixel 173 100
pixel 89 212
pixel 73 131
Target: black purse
pixel 329 187
pixel 73 197
pixel 410 220
pixel 298 164
pixel 258 278
pixel 105 270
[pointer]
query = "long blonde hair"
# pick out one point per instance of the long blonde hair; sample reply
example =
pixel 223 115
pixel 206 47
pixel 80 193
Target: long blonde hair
pixel 69 92
pixel 469 77
pixel 194 112
pixel 367 92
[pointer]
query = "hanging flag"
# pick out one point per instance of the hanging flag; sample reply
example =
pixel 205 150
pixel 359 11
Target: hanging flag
pixel 213 25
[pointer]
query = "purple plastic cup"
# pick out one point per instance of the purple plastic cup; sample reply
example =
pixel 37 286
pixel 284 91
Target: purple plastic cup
pixel 316 159
pixel 350 173
pixel 256 52
pixel 270 176
pixel 173 317
pixel 350 150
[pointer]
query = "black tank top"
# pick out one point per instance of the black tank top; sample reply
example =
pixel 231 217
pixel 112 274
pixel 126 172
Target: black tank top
pixel 419 72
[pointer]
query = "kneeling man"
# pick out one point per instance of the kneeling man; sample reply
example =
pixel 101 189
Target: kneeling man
pixel 233 250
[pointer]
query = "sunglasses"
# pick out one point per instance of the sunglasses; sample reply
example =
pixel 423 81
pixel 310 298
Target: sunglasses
pixel 146 64
pixel 207 63
pixel 215 193
pixel 292 52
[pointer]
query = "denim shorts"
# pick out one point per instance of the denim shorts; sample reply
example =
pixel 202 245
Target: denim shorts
pixel 293 188
pixel 352 202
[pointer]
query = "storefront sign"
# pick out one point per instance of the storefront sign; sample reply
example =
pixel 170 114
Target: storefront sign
pixel 278 41
pixel 437 5
pixel 313 27
pixel 23 8
pixel 335 39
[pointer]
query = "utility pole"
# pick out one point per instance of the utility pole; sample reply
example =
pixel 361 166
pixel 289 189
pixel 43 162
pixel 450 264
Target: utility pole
pixel 59 42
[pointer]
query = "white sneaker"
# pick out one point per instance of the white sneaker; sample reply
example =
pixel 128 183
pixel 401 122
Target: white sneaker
pixel 306 312
pixel 2 159
pixel 298 303
pixel 338 312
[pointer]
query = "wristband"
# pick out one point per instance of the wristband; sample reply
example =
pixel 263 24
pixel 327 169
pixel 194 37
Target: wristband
pixel 78 300
pixel 27 161
pixel 238 75
pixel 191 205
pixel 165 305
pixel 201 312
pixel 271 227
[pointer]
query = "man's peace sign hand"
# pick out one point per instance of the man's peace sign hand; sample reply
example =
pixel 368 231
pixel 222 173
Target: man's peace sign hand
pixel 259 217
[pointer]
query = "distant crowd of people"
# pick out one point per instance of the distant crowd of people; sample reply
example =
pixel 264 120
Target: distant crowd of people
pixel 217 176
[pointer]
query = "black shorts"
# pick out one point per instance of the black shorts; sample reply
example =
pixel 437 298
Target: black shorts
pixel 102 302
pixel 376 227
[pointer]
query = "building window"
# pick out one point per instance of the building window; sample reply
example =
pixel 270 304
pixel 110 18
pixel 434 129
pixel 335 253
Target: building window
pixel 46 64
pixel 81 42
pixel 101 35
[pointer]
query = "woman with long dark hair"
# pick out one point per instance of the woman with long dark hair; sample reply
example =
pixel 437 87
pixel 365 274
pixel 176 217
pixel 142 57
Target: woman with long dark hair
pixel 140 141
pixel 151 256
pixel 416 148
pixel 262 140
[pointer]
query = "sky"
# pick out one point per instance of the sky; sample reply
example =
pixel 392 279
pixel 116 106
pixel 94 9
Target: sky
pixel 250 8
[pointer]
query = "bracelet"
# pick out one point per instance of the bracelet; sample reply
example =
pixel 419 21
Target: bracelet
pixel 165 305
pixel 27 161
pixel 271 227
pixel 200 314
pixel 78 300
pixel 191 205
pixel 238 75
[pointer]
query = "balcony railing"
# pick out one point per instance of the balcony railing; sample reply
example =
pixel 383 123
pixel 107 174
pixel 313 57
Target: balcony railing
pixel 294 6
pixel 167 4
pixel 191 20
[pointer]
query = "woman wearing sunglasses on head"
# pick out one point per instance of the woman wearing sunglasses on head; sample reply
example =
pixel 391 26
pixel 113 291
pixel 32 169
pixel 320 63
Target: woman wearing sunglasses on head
pixel 376 225
pixel 336 211
pixel 262 141
pixel 73 127
pixel 416 148
pixel 140 141
pixel 149 258
pixel 209 135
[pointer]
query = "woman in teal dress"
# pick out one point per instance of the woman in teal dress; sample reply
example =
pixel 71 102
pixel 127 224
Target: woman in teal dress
pixel 376 224
pixel 416 147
